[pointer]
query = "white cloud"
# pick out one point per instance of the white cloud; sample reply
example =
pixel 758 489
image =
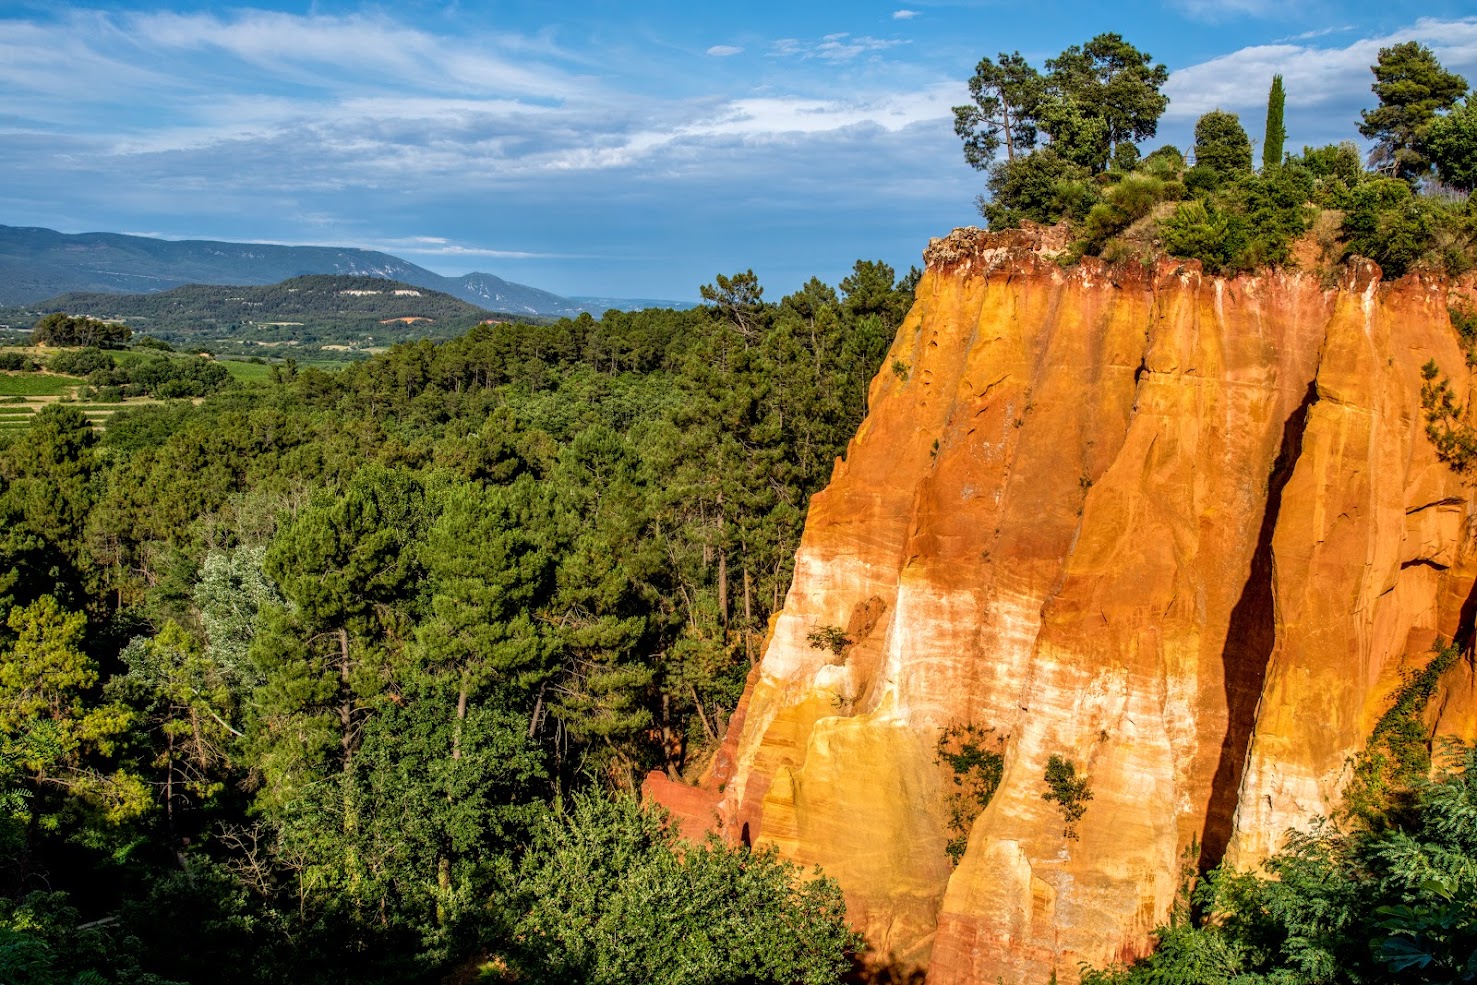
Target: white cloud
pixel 1313 76
pixel 904 15
pixel 725 50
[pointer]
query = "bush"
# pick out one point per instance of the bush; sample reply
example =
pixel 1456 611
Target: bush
pixel 1164 162
pixel 1199 231
pixel 1389 225
pixel 1042 187
pixel 1125 157
pixel 148 342
pixel 1123 204
pixel 975 758
pixel 17 362
pixel 1275 204
pixel 1392 903
pixel 1341 161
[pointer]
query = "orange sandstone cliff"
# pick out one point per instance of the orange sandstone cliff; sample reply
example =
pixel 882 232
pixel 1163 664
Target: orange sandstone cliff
pixel 1186 532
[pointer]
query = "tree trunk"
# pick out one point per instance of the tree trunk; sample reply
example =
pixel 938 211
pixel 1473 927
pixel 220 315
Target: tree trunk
pixel 461 716
pixel 748 594
pixel 346 705
pixel 701 716
pixel 723 588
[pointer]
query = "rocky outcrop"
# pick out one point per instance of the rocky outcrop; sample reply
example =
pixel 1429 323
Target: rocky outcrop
pixel 1182 531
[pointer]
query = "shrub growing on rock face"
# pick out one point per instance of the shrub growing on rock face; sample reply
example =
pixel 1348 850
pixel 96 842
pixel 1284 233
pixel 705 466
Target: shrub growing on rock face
pixel 1068 791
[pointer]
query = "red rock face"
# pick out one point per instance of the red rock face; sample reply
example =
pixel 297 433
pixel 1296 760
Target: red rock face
pixel 1185 532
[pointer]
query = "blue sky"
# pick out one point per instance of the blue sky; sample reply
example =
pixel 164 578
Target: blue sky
pixel 628 148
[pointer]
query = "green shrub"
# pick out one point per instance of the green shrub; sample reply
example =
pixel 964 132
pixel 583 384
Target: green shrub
pixel 975 759
pixel 17 362
pixel 1198 230
pixel 831 638
pixel 1125 157
pixel 1068 791
pixel 607 893
pixel 1042 187
pixel 1454 439
pixel 1164 162
pixel 1123 204
pixel 1341 161
pixel 1275 204
pixel 1385 222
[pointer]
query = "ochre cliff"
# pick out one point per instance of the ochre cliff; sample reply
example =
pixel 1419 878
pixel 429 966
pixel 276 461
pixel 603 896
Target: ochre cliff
pixel 1186 532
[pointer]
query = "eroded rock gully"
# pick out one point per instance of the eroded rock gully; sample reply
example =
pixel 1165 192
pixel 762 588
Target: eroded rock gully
pixel 1184 531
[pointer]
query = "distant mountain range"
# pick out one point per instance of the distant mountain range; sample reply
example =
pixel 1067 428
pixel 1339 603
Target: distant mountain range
pixel 37 264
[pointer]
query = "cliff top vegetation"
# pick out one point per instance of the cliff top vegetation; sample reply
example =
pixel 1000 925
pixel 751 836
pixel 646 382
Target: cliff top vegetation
pixel 1071 133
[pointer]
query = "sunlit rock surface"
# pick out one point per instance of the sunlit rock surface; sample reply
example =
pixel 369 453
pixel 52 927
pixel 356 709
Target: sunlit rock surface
pixel 1186 532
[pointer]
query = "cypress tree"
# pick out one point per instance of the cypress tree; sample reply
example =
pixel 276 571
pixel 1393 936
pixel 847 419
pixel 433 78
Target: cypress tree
pixel 1276 133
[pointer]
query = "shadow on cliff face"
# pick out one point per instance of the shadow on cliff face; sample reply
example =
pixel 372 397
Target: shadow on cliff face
pixel 1466 625
pixel 1249 640
pixel 888 972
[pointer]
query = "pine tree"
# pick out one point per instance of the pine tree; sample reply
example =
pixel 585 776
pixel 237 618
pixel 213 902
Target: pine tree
pixel 1276 134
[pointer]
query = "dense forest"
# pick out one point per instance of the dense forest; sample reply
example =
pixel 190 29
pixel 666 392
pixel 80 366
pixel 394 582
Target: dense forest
pixel 329 676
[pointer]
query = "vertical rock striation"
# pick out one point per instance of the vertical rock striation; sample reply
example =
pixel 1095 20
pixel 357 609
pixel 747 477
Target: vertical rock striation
pixel 1183 531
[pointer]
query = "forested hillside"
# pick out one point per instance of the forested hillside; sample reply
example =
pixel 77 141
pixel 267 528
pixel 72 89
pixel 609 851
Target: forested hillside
pixel 315 675
pixel 313 309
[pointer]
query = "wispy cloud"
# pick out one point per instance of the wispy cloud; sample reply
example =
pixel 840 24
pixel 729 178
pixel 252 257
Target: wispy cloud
pixel 834 47
pixel 725 50
pixel 904 15
pixel 1321 32
pixel 1215 10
